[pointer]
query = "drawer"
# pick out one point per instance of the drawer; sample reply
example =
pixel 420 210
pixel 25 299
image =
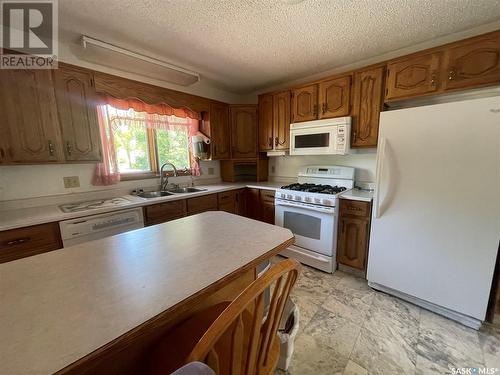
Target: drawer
pixel 27 241
pixel 226 197
pixel 267 196
pixel 161 212
pixel 201 204
pixel 354 208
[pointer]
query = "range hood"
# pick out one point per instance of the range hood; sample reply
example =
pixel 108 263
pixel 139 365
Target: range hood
pixel 103 53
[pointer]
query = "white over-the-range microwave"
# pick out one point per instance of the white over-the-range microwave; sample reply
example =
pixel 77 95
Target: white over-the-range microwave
pixel 321 137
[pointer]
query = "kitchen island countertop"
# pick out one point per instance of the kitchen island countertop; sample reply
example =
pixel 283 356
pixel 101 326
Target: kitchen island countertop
pixel 60 306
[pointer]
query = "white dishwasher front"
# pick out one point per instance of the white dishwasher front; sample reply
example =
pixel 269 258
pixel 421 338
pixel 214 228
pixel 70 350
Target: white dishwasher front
pixel 93 227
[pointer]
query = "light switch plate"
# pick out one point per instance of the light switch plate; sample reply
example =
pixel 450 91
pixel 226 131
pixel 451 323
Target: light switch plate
pixel 71 182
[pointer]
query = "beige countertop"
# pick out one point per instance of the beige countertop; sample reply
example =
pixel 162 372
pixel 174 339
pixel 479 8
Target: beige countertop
pixel 17 218
pixel 59 306
pixel 358 195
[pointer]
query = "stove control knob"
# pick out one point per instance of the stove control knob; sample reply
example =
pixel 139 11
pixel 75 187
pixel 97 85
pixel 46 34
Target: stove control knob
pixel 317 200
pixel 289 196
pixel 308 199
pixel 298 198
pixel 327 202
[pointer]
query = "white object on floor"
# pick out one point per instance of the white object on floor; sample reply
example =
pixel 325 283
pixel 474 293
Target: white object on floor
pixel 287 339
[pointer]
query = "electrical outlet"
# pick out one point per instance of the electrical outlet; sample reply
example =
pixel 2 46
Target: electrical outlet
pixel 71 182
pixel 211 171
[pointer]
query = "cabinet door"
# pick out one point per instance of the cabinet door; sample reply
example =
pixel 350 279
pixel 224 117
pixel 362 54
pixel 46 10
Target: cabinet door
pixel 219 129
pixel 305 103
pixel 414 76
pixel 162 212
pixel 281 120
pixel 352 244
pixel 241 202
pixel 474 64
pixel 253 204
pixel 202 204
pixel 243 132
pixel 267 212
pixel 29 116
pixel 76 106
pixel 368 86
pixel 334 97
pixel 266 123
pixel 227 201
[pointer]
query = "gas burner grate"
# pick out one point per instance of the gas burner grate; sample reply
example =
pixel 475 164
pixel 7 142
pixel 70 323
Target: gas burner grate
pixel 315 188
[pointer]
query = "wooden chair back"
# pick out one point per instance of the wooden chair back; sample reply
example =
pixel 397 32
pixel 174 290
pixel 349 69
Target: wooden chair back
pixel 242 341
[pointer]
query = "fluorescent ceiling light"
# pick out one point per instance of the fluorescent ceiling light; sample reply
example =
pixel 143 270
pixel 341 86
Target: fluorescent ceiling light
pixel 107 54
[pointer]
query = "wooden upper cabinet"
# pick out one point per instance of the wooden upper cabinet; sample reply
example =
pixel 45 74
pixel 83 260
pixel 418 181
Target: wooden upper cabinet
pixel 334 97
pixel 76 105
pixel 266 122
pixel 305 103
pixel 29 117
pixel 414 76
pixel 243 131
pixel 473 63
pixel 367 104
pixel 281 120
pixel 219 130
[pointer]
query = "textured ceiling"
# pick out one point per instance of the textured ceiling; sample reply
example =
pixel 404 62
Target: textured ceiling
pixel 246 45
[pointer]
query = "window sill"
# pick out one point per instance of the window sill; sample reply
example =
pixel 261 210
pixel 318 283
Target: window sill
pixel 151 175
pixel 137 176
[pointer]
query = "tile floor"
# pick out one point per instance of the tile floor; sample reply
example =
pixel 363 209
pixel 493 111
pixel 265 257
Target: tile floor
pixel 348 328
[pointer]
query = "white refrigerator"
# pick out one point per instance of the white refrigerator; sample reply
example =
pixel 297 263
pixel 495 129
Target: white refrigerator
pixel 436 213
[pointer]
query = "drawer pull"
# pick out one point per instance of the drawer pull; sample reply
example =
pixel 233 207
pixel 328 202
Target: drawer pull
pixel 18 241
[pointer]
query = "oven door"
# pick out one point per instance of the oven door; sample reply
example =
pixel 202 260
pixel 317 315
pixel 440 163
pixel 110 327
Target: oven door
pixel 314 227
pixel 313 140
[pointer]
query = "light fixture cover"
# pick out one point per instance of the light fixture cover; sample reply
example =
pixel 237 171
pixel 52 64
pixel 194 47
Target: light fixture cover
pixel 119 58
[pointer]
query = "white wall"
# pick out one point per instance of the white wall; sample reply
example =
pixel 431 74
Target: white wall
pixel 288 166
pixel 30 181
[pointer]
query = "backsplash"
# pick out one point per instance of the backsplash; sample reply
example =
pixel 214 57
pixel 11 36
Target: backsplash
pixel 33 181
pixel 283 167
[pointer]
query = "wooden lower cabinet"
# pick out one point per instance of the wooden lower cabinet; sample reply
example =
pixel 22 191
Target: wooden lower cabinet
pixel 162 212
pixel 353 233
pixel 201 204
pixel 24 242
pixel 227 201
pixel 260 205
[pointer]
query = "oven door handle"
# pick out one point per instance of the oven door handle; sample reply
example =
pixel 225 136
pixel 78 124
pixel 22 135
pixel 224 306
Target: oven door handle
pixel 325 210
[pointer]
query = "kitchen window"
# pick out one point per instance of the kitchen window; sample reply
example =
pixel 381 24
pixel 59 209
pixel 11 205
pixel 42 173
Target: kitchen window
pixel 138 143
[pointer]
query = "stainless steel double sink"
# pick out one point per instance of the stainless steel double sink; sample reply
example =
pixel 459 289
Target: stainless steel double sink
pixel 157 194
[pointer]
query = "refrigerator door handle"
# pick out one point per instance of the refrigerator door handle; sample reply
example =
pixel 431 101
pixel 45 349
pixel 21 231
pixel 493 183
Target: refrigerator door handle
pixel 379 169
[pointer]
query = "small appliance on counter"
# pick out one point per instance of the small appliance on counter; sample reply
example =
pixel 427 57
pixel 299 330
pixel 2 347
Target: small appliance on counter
pixel 309 209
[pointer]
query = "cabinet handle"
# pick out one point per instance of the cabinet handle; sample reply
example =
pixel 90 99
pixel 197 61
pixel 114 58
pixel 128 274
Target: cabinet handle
pixel 276 141
pixel 355 135
pixel 51 148
pixel 343 226
pixel 215 150
pixel 270 141
pixel 69 149
pixel 323 108
pixel 315 110
pixel 451 74
pixel 18 241
pixel 2 153
pixel 433 78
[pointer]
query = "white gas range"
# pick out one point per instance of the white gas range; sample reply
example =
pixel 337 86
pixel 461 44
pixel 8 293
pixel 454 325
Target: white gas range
pixel 309 209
